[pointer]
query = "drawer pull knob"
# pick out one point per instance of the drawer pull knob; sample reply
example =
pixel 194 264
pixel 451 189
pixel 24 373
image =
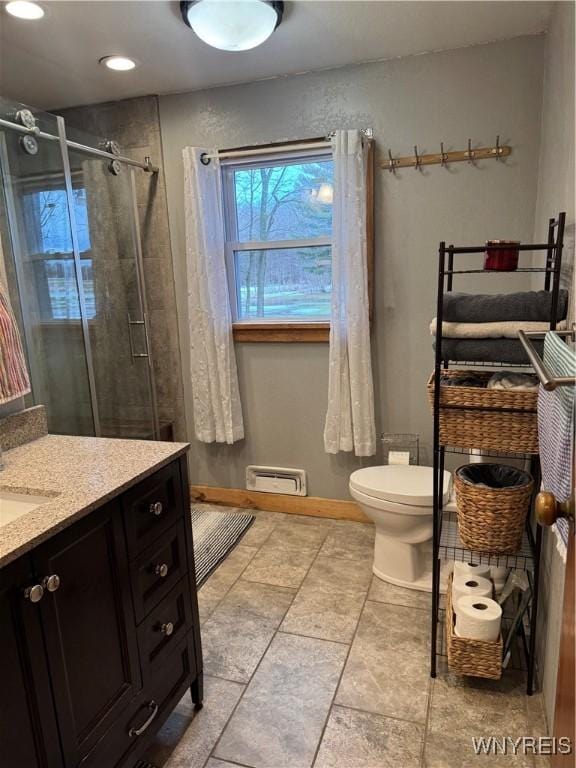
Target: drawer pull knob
pixel 161 570
pixel 34 593
pixel 51 583
pixel 153 707
pixel 156 508
pixel 167 628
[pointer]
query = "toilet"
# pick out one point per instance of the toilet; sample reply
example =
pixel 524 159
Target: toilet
pixel 398 498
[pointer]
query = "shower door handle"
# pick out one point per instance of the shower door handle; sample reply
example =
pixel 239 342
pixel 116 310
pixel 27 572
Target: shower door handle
pixel 131 323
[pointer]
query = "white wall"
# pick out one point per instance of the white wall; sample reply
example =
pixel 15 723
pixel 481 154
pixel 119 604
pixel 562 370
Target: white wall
pixel 555 193
pixel 475 92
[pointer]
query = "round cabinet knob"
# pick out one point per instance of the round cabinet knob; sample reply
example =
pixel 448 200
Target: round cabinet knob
pixel 51 583
pixel 167 628
pixel 161 570
pixel 156 508
pixel 34 593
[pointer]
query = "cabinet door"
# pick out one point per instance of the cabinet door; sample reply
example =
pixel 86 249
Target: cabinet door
pixel 28 733
pixel 89 628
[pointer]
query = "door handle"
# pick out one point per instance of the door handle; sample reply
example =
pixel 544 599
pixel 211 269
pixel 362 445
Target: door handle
pixel 131 323
pixel 549 509
pixel 153 707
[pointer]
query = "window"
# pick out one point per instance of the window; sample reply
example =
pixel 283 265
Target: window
pixel 278 237
pixel 52 253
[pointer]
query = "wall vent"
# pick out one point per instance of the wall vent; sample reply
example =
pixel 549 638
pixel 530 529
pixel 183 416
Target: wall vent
pixel 276 480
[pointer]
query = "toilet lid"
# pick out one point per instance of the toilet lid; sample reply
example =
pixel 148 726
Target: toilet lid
pixel 402 484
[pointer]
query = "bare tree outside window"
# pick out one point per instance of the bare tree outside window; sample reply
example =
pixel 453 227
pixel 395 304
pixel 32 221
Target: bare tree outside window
pixel 276 204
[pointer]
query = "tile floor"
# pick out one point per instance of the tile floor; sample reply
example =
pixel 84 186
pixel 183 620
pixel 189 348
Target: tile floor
pixel 311 661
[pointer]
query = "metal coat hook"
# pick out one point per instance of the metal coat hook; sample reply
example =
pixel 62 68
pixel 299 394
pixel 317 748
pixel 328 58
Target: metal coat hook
pixel 418 163
pixel 391 163
pixel 470 153
pixel 498 150
pixel 442 155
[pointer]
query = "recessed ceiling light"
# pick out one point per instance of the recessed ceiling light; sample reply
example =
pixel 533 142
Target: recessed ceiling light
pixel 232 25
pixel 24 9
pixel 118 63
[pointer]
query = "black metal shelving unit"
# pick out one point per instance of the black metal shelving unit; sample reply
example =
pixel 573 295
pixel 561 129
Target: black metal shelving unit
pixel 446 541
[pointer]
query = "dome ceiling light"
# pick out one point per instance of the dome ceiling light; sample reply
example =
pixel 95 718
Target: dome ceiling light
pixel 24 9
pixel 232 25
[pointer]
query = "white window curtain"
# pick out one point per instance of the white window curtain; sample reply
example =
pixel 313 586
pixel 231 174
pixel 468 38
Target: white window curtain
pixel 350 416
pixel 215 393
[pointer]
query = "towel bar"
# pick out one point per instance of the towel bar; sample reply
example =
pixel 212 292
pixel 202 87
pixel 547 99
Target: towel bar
pixel 548 381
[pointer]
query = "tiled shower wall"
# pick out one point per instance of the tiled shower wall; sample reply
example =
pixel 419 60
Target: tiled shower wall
pixel 134 124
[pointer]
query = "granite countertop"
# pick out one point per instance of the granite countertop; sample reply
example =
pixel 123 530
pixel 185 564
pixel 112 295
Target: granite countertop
pixel 80 473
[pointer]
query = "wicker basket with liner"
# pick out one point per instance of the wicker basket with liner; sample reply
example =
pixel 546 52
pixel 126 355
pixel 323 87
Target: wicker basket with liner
pixel 492 502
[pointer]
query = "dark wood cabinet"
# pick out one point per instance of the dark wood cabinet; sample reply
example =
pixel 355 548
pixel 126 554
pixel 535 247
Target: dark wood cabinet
pixel 89 628
pixel 94 666
pixel 28 731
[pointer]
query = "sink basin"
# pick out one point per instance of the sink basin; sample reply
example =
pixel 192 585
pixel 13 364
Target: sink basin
pixel 14 505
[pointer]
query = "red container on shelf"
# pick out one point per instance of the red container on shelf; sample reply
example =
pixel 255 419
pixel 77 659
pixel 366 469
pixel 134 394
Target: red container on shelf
pixel 503 258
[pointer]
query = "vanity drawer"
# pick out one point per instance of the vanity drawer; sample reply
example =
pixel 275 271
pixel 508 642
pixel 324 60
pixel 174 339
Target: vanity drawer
pixel 165 627
pixel 128 736
pixel 158 569
pixel 152 506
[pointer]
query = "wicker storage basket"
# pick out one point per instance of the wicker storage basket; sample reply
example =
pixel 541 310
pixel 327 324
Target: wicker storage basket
pixel 489 419
pixel 475 658
pixel 492 519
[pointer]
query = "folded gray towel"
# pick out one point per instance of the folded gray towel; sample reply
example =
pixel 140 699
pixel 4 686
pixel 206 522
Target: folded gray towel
pixel 487 350
pixel 534 306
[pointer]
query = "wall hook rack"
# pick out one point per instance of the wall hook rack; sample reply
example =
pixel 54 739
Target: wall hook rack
pixel 442 158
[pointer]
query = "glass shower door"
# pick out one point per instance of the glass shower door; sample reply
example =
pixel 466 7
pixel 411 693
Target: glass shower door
pixel 113 293
pixel 37 257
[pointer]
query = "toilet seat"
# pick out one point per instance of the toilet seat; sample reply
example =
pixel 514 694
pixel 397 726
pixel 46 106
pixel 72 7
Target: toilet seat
pixel 388 506
pixel 407 487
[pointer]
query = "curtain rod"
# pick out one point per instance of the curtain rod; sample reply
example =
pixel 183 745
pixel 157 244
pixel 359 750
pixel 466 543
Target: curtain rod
pixel 319 143
pixel 146 165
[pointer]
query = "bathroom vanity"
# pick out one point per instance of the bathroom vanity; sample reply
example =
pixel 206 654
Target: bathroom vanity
pixel 99 630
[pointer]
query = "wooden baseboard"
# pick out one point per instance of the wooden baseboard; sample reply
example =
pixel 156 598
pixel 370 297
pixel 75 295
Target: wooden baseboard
pixel 314 506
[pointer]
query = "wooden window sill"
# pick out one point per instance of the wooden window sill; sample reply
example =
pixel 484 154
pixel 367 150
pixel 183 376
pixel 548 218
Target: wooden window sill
pixel 281 332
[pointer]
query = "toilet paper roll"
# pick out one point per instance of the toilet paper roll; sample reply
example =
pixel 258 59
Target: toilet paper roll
pixel 478 618
pixel 471 569
pixel 470 585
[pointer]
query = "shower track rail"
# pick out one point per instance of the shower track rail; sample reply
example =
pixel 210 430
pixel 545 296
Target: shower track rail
pixel 147 166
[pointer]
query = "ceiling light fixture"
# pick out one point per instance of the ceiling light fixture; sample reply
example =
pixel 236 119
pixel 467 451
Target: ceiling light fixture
pixel 25 9
pixel 118 63
pixel 232 25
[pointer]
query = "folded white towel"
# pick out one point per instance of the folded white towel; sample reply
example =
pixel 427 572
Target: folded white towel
pixel 507 329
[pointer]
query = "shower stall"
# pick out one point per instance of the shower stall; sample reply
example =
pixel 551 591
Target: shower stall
pixel 71 258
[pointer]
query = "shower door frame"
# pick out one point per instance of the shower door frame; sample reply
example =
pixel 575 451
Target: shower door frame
pixel 79 276
pixel 65 144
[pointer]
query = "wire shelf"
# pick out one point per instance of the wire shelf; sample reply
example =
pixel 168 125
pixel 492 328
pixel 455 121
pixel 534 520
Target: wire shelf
pixel 496 271
pixel 452 548
pixel 487 364
pixel 489 454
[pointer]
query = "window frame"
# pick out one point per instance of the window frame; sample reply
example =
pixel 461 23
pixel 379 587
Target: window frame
pixel 281 330
pixel 38 185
